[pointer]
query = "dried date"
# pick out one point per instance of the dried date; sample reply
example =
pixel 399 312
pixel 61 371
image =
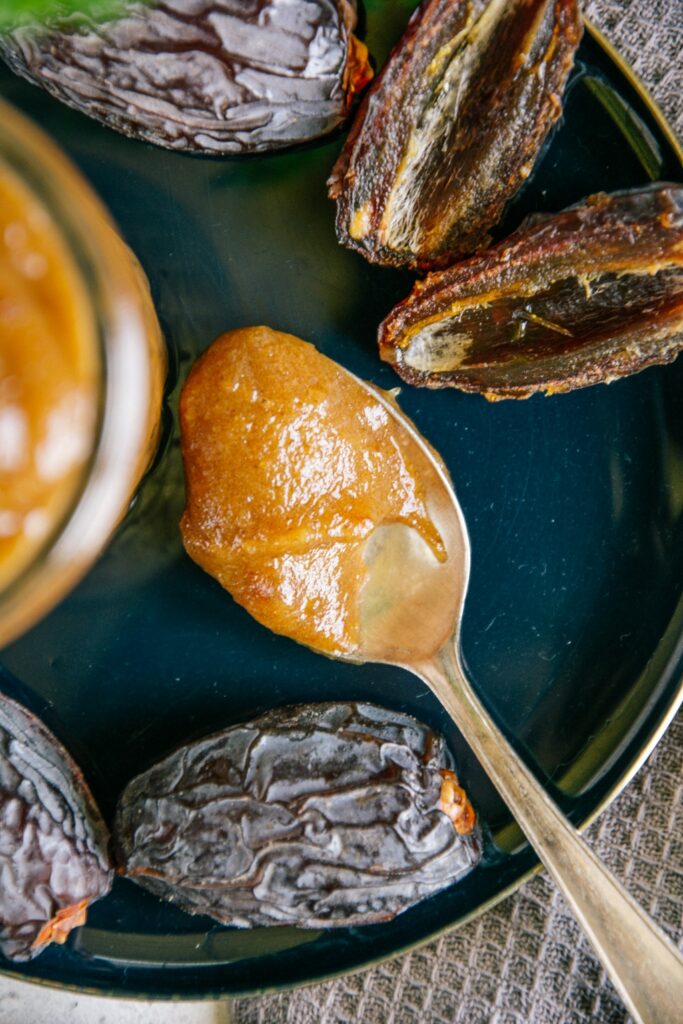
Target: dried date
pixel 54 858
pixel 226 76
pixel 577 298
pixel 316 815
pixel 451 127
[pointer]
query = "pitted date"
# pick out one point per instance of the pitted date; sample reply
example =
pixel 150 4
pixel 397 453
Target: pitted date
pixel 54 858
pixel 315 815
pixel 451 127
pixel 577 298
pixel 225 76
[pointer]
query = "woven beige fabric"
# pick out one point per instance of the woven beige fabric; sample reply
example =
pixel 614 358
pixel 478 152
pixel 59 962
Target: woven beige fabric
pixel 526 961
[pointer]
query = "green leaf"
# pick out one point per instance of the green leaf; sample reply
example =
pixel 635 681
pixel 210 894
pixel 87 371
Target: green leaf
pixel 20 12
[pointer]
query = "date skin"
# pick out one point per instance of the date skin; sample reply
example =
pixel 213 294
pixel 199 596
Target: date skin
pixel 316 815
pixel 54 859
pixel 452 127
pixel 577 298
pixel 225 76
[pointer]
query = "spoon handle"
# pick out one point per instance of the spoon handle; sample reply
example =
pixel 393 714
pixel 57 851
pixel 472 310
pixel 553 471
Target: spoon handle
pixel 644 966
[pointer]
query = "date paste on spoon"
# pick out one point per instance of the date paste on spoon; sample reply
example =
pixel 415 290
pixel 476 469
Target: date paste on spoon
pixel 290 465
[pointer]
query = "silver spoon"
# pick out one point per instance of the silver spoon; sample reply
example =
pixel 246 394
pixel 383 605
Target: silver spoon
pixel 411 609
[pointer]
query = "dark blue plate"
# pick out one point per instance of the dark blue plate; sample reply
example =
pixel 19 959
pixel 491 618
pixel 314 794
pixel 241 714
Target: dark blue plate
pixel 573 623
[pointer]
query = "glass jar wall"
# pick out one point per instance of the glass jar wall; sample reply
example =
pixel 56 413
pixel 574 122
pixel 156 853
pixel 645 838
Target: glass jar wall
pixel 82 365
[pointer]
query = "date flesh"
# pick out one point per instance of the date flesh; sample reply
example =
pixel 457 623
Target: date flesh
pixel 315 815
pixel 452 127
pixel 54 857
pixel 577 298
pixel 225 76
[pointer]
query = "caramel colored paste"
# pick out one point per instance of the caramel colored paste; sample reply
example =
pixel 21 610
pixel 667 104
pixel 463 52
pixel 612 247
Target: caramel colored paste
pixel 290 465
pixel 48 368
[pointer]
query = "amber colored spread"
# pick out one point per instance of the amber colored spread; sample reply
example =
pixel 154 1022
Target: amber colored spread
pixel 48 368
pixel 290 464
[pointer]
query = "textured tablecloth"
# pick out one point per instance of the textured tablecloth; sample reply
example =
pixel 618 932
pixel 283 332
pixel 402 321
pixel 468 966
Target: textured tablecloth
pixel 526 961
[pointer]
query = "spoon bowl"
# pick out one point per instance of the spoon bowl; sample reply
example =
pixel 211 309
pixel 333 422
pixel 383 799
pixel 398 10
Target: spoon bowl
pixel 410 612
pixel 412 600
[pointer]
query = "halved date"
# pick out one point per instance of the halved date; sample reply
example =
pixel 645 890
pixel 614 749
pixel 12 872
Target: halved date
pixel 581 297
pixel 452 127
pixel 215 76
pixel 315 815
pixel 54 858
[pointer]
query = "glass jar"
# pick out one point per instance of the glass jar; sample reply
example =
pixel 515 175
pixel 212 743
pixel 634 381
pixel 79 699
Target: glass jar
pixel 104 429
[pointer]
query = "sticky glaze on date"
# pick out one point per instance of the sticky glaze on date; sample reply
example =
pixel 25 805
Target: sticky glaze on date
pixel 581 297
pixel 452 127
pixel 316 815
pixel 54 857
pixel 226 76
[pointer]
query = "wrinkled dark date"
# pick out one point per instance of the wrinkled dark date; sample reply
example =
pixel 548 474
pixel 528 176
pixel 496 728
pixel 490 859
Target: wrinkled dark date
pixel 225 76
pixel 316 815
pixel 577 298
pixel 452 127
pixel 54 857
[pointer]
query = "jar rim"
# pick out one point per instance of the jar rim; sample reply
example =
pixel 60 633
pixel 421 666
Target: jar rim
pixel 131 355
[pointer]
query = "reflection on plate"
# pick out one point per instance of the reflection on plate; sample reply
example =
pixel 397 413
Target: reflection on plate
pixel 575 508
